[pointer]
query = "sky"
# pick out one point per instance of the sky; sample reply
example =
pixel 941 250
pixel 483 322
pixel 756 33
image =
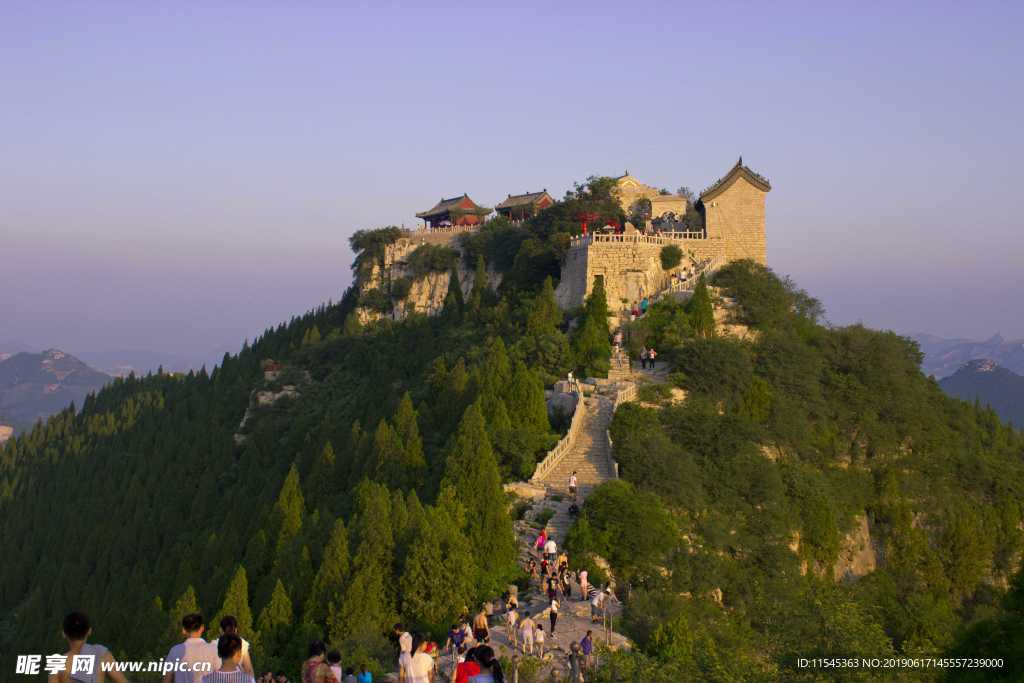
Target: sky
pixel 179 176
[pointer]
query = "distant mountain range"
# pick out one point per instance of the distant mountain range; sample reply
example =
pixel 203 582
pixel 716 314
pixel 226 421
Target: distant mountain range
pixel 943 357
pixel 990 384
pixel 122 362
pixel 36 385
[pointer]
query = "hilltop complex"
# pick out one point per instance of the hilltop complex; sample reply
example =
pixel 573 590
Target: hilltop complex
pixel 726 222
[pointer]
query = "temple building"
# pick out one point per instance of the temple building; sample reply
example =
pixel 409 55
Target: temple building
pixel 522 206
pixel 630 190
pixel 455 211
pixel 733 209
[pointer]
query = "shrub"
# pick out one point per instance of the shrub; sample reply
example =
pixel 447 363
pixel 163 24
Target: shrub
pixel 655 393
pixel 719 368
pixel 544 516
pixel 671 256
pixel 369 246
pixel 376 300
pixel 431 258
pixel 400 288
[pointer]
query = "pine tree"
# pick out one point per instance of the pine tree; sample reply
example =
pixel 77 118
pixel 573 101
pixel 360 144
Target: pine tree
pixel 472 472
pixel 367 604
pixel 480 295
pixel 545 315
pixel 388 457
pixel 591 346
pixel 186 604
pixel 453 301
pixel 236 603
pixel 407 429
pixel 288 511
pixel 351 327
pixel 527 406
pixel 435 584
pixel 273 625
pixel 323 478
pixel 702 314
pixel 497 367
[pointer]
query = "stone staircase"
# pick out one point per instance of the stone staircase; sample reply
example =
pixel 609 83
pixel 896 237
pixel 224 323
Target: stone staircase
pixel 591 459
pixel 621 369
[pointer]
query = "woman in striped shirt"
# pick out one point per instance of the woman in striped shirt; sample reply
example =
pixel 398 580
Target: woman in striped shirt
pixel 229 649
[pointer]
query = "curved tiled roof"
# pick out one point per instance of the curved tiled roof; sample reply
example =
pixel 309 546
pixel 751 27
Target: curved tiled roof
pixel 525 199
pixel 446 205
pixel 755 179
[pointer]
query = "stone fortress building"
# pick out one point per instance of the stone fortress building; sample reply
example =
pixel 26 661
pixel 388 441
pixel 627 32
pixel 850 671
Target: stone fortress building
pixel 733 209
pixel 628 260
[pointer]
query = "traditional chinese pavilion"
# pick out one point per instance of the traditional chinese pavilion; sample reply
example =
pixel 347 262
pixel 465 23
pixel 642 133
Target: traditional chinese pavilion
pixel 520 206
pixel 455 211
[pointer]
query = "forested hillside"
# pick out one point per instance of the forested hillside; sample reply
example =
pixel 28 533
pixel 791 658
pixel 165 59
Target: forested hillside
pixel 332 478
pixel 740 509
pixel 364 485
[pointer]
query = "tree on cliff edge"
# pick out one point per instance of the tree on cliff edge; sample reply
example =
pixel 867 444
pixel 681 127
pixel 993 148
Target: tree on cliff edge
pixel 592 350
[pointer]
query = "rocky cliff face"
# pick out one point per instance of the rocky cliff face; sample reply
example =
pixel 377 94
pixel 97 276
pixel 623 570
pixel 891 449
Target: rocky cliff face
pixel 426 293
pixel 859 555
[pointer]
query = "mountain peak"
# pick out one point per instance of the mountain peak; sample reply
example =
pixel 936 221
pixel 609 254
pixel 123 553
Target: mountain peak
pixel 981 365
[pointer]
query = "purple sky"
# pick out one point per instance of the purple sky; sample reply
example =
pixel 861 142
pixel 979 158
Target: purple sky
pixel 177 176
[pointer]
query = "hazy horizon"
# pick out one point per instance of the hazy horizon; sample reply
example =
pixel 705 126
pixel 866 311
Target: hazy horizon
pixel 178 178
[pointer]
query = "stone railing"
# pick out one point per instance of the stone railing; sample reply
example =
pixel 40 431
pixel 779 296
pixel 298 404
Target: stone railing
pixel 555 455
pixel 444 230
pixel 624 395
pixel 705 268
pixel 635 238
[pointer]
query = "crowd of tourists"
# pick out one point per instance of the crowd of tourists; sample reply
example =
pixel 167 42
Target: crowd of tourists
pixel 466 657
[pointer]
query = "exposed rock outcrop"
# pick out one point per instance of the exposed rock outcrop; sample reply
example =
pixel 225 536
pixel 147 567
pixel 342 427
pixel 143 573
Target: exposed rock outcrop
pixel 426 293
pixel 859 555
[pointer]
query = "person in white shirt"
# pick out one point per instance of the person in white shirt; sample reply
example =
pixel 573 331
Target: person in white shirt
pixel 527 628
pixel 229 624
pixel 512 619
pixel 198 656
pixel 596 607
pixel 573 484
pixel 538 637
pixel 404 640
pixel 229 649
pixel 334 662
pixel 77 629
pixel 553 616
pixel 551 550
pixel 416 666
pixel 584 589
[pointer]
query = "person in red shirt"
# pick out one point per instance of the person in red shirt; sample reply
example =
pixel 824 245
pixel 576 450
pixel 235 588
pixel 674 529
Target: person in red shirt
pixel 466 669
